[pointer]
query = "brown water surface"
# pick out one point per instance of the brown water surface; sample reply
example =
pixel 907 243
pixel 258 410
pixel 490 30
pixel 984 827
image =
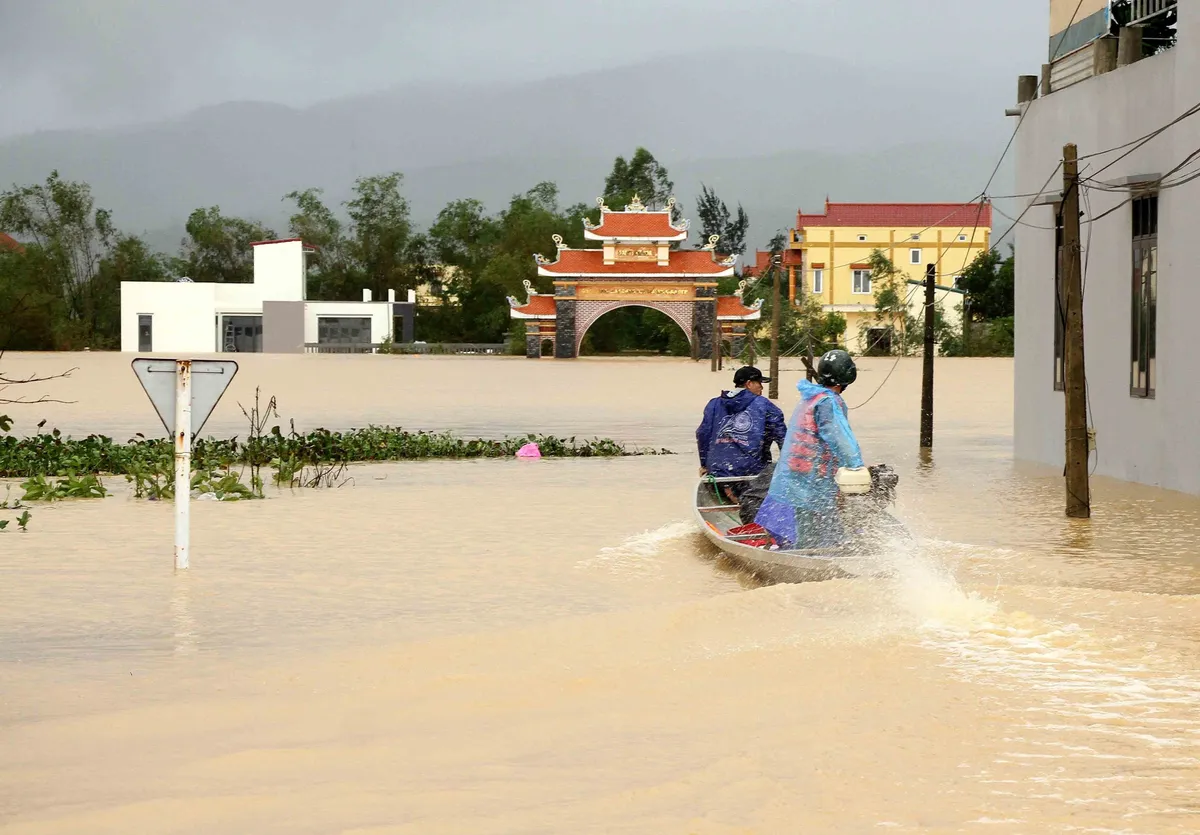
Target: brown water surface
pixel 549 646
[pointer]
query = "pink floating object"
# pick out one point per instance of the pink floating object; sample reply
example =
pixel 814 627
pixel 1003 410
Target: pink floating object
pixel 529 451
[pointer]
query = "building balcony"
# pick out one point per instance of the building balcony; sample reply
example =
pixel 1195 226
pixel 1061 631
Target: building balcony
pixel 1146 11
pixel 1124 32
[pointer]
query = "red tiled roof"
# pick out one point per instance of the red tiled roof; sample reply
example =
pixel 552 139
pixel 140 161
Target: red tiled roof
pixel 636 225
pixel 591 261
pixel 761 259
pixel 8 243
pixel 732 306
pixel 538 306
pixel 892 215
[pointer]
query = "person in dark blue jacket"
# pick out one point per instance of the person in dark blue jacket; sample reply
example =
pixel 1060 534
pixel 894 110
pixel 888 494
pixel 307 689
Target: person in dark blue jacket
pixel 739 426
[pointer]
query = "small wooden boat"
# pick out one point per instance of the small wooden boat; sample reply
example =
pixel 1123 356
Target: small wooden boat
pixel 717 513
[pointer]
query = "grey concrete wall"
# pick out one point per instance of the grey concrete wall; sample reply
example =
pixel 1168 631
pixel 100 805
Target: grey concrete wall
pixel 283 327
pixel 1147 441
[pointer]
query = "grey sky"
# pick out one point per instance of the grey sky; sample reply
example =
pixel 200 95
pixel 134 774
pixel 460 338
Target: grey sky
pixel 78 63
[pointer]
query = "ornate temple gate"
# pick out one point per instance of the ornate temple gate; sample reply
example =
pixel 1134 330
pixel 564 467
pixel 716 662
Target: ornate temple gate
pixel 634 266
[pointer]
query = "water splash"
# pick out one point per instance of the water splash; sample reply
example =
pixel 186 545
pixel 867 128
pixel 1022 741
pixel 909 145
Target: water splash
pixel 637 554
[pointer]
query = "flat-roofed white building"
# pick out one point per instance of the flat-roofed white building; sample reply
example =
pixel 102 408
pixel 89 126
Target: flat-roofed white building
pixel 271 314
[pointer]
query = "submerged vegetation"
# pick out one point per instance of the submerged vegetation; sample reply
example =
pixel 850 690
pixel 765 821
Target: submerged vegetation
pixel 56 467
pixel 52 454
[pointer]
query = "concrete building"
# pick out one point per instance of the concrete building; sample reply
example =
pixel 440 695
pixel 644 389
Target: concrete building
pixel 1105 94
pixel 835 245
pixel 271 315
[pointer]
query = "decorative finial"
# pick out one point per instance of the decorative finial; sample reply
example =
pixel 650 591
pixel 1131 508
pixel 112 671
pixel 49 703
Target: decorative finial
pixel 528 288
pixel 558 241
pixel 712 243
pixel 603 207
pixel 635 205
pixel 670 203
pixel 742 285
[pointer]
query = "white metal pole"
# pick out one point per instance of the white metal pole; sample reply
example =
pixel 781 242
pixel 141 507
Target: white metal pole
pixel 183 459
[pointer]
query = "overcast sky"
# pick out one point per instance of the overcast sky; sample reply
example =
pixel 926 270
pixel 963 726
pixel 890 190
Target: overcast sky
pixel 78 63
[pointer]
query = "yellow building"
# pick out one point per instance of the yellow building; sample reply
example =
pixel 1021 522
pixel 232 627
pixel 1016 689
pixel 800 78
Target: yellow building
pixel 829 253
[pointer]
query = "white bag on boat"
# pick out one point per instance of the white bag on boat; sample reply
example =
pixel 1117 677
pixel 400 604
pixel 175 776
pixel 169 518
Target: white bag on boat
pixel 853 480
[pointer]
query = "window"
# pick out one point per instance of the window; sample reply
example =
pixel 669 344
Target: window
pixel 914 256
pixel 819 281
pixel 862 282
pixel 1060 310
pixel 343 330
pixel 145 332
pixel 241 334
pixel 862 238
pixel 962 238
pixel 916 237
pixel 1143 364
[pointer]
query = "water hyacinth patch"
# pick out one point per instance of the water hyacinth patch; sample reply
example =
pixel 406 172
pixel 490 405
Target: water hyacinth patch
pixel 52 454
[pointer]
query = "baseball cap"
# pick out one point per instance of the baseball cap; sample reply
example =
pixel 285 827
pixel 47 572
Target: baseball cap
pixel 748 374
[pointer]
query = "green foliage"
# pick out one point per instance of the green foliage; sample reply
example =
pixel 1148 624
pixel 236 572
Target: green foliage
pixel 146 460
pixel 217 248
pixel 71 486
pixel 989 281
pixel 642 176
pixel 62 291
pixel 993 338
pixel 715 219
pixel 636 329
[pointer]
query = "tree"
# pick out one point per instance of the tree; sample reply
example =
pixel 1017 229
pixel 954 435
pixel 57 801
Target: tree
pixel 891 307
pixel 642 176
pixel 69 238
pixel 332 275
pixel 381 233
pixel 715 219
pixel 989 281
pixel 217 247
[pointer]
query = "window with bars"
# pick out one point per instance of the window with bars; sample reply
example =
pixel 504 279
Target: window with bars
pixel 1144 307
pixel 1060 306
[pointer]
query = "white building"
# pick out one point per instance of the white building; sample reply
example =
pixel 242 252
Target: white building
pixel 271 314
pixel 1143 372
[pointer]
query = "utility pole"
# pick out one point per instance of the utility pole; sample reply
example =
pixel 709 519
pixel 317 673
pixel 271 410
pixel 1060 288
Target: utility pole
pixel 716 339
pixel 1074 372
pixel 927 359
pixel 966 317
pixel 776 302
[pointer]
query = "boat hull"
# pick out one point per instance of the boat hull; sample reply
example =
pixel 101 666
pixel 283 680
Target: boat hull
pixel 716 515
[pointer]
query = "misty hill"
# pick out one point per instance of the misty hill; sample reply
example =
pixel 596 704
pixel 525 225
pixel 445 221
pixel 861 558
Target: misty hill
pixel 772 131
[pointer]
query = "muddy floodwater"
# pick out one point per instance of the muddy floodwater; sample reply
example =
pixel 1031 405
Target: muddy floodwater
pixel 550 647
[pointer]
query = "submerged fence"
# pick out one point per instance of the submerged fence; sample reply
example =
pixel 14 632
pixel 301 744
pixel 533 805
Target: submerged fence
pixel 405 348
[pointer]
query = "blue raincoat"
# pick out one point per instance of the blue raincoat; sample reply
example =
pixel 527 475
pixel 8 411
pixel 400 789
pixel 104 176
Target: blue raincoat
pixel 800 510
pixel 735 436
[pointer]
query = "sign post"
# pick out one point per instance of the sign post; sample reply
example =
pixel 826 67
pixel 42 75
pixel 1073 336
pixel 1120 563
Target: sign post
pixel 184 393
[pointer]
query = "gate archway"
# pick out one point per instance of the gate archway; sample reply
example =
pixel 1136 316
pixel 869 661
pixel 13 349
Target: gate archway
pixel 587 313
pixel 636 265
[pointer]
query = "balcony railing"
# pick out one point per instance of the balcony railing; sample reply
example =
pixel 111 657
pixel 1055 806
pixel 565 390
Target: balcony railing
pixel 1146 10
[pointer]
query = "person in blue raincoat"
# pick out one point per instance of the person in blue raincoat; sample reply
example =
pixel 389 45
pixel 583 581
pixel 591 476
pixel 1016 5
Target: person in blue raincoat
pixel 801 507
pixel 735 436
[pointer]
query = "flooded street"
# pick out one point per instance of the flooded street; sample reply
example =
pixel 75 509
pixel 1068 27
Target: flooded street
pixel 550 646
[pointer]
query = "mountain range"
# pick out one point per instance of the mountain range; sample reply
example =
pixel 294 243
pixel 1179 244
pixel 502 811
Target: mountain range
pixel 774 132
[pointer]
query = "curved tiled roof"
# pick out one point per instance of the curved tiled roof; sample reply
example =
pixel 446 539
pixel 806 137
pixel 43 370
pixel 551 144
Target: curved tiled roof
pixel 731 306
pixel 656 225
pixel 684 262
pixel 537 306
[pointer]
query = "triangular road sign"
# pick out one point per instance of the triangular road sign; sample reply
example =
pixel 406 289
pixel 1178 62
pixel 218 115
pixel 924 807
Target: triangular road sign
pixel 210 378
